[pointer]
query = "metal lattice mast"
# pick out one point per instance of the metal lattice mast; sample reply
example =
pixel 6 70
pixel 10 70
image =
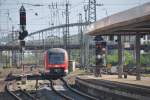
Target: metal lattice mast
pixel 81 41
pixel 92 11
pixel 66 40
pixel 91 19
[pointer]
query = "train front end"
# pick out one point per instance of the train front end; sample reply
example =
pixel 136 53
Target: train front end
pixel 56 62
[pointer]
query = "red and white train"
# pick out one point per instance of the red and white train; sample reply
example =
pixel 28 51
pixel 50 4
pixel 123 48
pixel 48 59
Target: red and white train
pixel 56 62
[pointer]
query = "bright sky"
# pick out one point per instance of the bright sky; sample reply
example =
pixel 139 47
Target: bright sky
pixel 40 17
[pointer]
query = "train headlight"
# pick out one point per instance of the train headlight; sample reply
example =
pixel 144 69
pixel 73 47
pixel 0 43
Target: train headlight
pixel 99 56
pixel 66 70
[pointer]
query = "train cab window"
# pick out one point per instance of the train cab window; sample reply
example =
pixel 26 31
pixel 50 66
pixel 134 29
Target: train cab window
pixel 56 58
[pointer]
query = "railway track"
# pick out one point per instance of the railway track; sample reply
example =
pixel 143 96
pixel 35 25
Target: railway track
pixel 59 91
pixel 19 94
pixel 121 86
pixel 70 93
pixel 114 90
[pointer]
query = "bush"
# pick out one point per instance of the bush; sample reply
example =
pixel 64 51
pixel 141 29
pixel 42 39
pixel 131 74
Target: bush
pixel 145 59
pixel 112 59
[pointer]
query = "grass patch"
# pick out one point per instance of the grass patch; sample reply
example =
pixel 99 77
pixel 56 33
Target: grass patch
pixel 146 75
pixel 79 71
pixel 146 68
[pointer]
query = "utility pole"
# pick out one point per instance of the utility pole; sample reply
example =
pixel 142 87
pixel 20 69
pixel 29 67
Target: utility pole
pixel 14 57
pixel 23 32
pixel 66 35
pixel 92 11
pixel 120 54
pixel 81 41
pixel 137 49
pixel 85 13
pixel 67 40
pixel 43 42
pixel 91 18
pixel 85 45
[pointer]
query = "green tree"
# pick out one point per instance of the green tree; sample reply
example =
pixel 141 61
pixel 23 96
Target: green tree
pixel 129 59
pixel 112 59
pixel 145 59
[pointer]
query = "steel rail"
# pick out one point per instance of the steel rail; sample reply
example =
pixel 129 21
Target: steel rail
pixel 15 95
pixel 29 95
pixel 76 91
pixel 131 88
pixel 60 94
pixel 10 92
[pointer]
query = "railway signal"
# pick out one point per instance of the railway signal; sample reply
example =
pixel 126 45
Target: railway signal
pixel 22 35
pixel 100 54
pixel 23 32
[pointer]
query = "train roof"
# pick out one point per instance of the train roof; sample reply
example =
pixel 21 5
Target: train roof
pixel 56 50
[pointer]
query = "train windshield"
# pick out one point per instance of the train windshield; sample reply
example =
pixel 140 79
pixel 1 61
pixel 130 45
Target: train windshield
pixel 56 58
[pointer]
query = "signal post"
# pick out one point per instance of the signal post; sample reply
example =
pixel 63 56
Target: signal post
pixel 22 34
pixel 100 54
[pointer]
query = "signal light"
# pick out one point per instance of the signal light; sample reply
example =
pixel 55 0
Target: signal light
pixel 98 46
pixel 22 35
pixel 103 44
pixel 100 52
pixel 22 16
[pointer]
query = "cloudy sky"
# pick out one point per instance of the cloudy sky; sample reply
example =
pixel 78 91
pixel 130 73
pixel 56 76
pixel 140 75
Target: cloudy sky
pixel 40 17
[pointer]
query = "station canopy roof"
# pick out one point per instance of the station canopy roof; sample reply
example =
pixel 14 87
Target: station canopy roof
pixel 130 22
